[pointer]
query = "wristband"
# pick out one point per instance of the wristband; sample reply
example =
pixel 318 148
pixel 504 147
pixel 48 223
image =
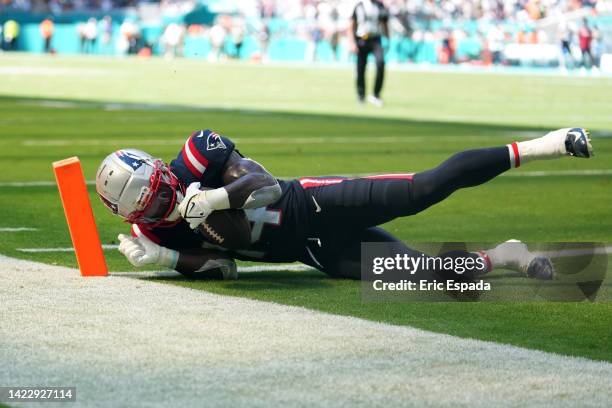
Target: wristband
pixel 217 199
pixel 168 257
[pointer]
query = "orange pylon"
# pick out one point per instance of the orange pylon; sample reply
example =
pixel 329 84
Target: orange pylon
pixel 79 215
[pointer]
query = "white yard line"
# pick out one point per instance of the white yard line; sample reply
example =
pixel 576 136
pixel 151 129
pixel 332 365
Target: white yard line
pixel 275 268
pixel 179 142
pixel 553 173
pixel 132 342
pixel 573 252
pixel 17 229
pixel 537 173
pixel 291 267
pixel 298 267
pixel 295 267
pixel 49 71
pixel 37 143
pixel 40 183
pixel 65 249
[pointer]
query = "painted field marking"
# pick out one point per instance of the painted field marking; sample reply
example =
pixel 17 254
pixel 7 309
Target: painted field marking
pixel 549 173
pixel 275 268
pixel 48 71
pixel 34 143
pixel 297 267
pixel 251 140
pixel 242 353
pixel 244 269
pixel 42 183
pixel 537 173
pixel 241 269
pixel 575 252
pixel 65 249
pixel 17 229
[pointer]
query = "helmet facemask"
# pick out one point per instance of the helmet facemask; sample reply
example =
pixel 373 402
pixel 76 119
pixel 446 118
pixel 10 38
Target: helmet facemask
pixel 157 203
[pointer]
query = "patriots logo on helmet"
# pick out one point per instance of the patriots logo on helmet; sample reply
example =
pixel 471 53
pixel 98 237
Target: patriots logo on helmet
pixel 130 159
pixel 214 142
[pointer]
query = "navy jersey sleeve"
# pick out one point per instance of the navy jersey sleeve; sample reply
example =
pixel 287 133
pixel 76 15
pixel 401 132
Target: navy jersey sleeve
pixel 203 158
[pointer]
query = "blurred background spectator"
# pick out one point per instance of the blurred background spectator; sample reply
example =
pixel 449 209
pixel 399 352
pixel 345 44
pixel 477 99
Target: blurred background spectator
pixel 46 32
pixel 88 34
pixel 129 37
pixel 172 40
pixel 217 36
pixel 548 33
pixel 106 27
pixel 585 39
pixel 238 33
pixel 10 32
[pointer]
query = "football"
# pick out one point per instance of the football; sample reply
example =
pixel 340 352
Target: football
pixel 227 228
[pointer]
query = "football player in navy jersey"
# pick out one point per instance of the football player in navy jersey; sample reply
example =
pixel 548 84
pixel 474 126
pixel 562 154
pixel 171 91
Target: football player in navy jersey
pixel 319 221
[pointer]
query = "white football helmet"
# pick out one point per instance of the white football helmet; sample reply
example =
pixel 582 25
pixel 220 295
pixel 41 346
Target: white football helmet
pixel 139 188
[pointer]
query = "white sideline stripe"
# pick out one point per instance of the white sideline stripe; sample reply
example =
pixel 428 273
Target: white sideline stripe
pixel 268 140
pixel 548 173
pixel 245 269
pixel 40 183
pixel 66 249
pixel 539 173
pixel 275 268
pixel 576 252
pixel 241 269
pixel 299 267
pixel 180 142
pixel 133 340
pixel 48 71
pixel 27 183
pixel 17 229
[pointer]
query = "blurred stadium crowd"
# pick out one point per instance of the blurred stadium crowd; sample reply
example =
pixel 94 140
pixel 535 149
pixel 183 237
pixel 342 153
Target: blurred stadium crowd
pixel 564 33
pixel 294 9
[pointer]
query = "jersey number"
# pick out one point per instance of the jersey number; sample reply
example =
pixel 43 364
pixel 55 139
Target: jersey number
pixel 259 217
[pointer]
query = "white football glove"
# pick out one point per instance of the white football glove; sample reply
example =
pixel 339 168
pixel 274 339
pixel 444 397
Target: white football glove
pixel 141 251
pixel 194 208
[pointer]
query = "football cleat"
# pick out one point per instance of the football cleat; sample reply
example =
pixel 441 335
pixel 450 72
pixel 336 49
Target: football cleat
pixel 530 264
pixel 578 143
pixel 376 101
pixel 539 267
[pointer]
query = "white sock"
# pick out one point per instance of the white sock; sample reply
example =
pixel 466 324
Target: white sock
pixel 550 146
pixel 512 255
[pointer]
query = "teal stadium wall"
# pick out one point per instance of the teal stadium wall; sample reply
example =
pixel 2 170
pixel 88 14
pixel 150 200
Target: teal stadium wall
pixel 66 41
pixel 282 47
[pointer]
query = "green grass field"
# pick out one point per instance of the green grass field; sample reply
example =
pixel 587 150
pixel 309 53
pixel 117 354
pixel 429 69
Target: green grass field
pixel 299 121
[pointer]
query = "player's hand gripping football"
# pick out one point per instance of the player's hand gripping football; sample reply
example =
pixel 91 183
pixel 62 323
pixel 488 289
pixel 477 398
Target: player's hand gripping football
pixel 195 207
pixel 141 251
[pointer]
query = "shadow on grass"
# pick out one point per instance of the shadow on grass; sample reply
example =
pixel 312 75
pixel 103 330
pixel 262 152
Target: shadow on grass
pixel 293 119
pixel 269 281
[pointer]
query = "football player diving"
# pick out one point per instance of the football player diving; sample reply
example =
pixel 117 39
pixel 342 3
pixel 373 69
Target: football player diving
pixel 319 221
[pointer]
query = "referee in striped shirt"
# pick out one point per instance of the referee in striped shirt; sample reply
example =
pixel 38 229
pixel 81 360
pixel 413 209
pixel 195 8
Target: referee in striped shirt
pixel 369 23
